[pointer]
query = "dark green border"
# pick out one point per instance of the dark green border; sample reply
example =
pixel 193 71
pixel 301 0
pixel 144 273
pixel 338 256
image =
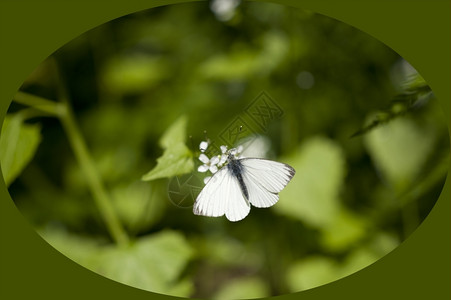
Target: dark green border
pixel 419 30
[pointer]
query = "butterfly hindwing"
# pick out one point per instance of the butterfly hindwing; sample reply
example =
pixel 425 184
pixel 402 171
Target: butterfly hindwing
pixel 264 180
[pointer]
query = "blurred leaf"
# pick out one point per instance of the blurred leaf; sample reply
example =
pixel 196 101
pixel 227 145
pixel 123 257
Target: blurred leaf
pixel 176 158
pixel 138 204
pixel 237 65
pixel 81 249
pixel 312 196
pixel 18 144
pixel 344 231
pixel 311 272
pixel 382 243
pixel 152 263
pixel 399 150
pixel 274 50
pixel 134 73
pixel 358 260
pixel 243 288
pixel 243 61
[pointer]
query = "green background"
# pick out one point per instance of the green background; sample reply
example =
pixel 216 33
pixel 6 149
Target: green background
pixel 419 268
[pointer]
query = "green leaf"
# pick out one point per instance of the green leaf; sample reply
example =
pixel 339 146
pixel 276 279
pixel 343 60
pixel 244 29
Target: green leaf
pixel 18 143
pixel 177 158
pixel 399 150
pixel 153 263
pixel 175 134
pixel 312 196
pixel 243 288
pixel 344 231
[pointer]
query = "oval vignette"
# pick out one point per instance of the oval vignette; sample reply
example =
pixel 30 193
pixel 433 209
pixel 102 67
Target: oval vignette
pixel 360 126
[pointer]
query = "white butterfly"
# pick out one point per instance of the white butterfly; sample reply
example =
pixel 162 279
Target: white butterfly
pixel 240 183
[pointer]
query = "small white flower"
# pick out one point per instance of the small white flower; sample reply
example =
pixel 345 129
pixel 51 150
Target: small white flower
pixel 222 160
pixel 203 158
pixel 223 149
pixel 203 168
pixel 214 160
pixel 209 164
pixel 203 146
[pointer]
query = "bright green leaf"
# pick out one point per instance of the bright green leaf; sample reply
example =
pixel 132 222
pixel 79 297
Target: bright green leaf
pixel 175 134
pixel 177 158
pixel 18 143
pixel 243 288
pixel 312 195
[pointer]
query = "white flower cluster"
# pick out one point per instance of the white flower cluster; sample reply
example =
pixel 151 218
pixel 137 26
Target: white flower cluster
pixel 216 162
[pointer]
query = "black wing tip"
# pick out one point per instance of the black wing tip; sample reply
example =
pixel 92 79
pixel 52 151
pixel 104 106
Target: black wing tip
pixel 291 170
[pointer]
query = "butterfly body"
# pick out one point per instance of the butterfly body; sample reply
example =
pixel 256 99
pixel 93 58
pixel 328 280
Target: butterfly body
pixel 236 168
pixel 240 183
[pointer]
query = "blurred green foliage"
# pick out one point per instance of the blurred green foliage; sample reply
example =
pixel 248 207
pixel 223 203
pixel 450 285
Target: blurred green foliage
pixel 17 145
pixel 145 87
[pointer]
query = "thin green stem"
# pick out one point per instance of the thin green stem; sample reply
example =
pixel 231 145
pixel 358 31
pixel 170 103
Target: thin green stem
pixel 92 177
pixel 63 111
pixel 47 106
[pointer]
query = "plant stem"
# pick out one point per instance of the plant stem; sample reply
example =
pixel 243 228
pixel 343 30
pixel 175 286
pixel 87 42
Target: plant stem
pixel 63 111
pixel 50 107
pixel 92 177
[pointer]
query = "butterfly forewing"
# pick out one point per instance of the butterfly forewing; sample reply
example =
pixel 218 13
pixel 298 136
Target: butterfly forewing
pixel 222 195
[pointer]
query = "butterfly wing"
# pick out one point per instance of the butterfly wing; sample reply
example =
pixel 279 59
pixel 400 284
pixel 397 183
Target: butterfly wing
pixel 222 195
pixel 264 180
